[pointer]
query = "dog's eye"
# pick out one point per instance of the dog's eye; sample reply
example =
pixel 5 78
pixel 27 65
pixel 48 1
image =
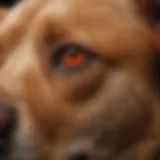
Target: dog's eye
pixel 71 58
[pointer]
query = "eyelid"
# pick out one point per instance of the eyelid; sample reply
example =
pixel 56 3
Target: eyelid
pixel 59 65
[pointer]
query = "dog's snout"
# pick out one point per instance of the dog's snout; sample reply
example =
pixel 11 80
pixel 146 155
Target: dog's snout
pixel 79 156
pixel 7 123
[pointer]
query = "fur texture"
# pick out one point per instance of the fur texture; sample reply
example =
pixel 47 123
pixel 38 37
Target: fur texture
pixel 110 110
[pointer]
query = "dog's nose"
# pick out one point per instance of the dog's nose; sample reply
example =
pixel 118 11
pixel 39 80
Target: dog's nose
pixel 7 123
pixel 79 156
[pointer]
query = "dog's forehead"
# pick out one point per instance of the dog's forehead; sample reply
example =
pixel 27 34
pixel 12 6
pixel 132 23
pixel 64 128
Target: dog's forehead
pixel 100 24
pixel 96 23
pixel 91 9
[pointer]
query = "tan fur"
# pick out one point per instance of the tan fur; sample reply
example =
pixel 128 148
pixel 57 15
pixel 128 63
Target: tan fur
pixel 107 110
pixel 3 12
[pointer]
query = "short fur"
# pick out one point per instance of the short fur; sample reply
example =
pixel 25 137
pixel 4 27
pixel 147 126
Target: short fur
pixel 109 111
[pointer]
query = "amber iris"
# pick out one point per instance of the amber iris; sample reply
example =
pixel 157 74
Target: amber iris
pixel 74 61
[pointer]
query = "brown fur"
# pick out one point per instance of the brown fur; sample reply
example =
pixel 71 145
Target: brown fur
pixel 107 111
pixel 3 13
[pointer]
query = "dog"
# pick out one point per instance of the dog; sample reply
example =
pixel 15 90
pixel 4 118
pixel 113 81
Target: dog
pixel 79 80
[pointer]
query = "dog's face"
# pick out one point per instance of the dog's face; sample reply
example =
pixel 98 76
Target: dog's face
pixel 78 73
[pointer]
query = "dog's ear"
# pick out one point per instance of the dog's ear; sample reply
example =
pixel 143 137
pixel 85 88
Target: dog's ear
pixel 150 10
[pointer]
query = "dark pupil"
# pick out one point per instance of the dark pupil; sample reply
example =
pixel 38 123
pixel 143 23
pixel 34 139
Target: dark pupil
pixel 72 52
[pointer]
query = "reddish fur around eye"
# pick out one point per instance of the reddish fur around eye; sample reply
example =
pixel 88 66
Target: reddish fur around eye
pixel 75 61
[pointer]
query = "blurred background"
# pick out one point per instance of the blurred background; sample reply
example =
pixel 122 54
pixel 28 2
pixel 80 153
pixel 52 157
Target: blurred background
pixel 7 2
